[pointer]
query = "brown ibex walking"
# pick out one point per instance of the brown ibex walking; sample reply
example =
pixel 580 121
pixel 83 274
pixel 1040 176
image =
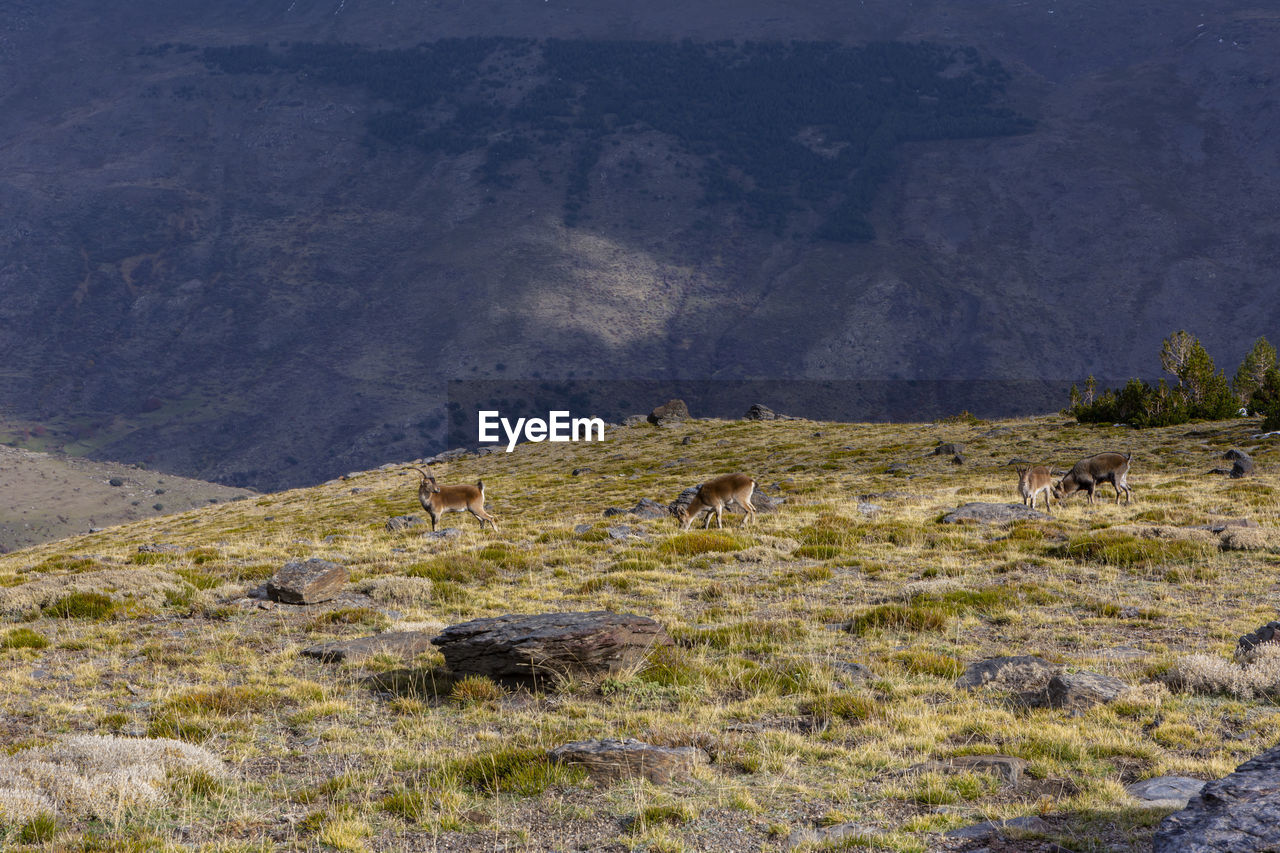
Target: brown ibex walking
pixel 437 499
pixel 1088 474
pixel 714 495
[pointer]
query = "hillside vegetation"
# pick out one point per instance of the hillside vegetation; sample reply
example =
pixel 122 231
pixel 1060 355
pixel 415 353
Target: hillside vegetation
pixel 101 638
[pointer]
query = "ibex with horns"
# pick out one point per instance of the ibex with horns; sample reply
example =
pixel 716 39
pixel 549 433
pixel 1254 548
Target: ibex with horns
pixel 437 499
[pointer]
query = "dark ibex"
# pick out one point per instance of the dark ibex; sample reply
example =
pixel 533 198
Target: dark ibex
pixel 714 495
pixel 1088 474
pixel 437 499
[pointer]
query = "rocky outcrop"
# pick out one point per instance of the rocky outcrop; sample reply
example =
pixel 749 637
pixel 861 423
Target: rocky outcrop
pixel 992 513
pixel 402 522
pixel 628 758
pixel 1240 811
pixel 533 650
pixel 671 411
pixel 1018 672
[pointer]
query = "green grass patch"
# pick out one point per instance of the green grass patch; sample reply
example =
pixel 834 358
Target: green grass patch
pixel 152 558
pixel 525 772
pixel 227 701
pixel 454 568
pixel 1124 550
pixel 82 605
pixel 922 662
pixel 362 617
pixel 840 706
pixel 23 638
pixel 700 542
pixel 913 618
pixel 817 552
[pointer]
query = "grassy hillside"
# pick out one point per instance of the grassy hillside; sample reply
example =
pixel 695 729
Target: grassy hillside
pixel 391 755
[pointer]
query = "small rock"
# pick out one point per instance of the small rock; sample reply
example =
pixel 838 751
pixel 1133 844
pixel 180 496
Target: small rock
pixel 578 472
pixel 948 450
pixel 628 758
pixel 688 439
pixel 647 508
pixel 1165 792
pixel 1266 634
pixel 620 532
pixel 993 513
pixel 402 522
pixel 159 548
pixel 1080 690
pixel 1007 767
pixel 309 582
pixel 403 644
pixel 824 837
pixel 669 412
pixel 870 510
pixel 759 412
pixel 580 529
pixel 443 533
pixel 611 511
pixel 853 671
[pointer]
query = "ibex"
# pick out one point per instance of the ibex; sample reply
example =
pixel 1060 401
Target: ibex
pixel 1032 481
pixel 714 495
pixel 437 499
pixel 1090 473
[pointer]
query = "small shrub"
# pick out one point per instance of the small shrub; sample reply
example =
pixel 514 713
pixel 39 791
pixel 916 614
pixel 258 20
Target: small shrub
pixel 667 667
pixel 151 558
pixel 23 638
pixel 39 830
pixel 227 701
pixel 455 568
pixel 512 770
pixel 363 617
pixel 1124 550
pixel 840 706
pixel 81 605
pixel 664 814
pixel 816 552
pixel 410 804
pixel 476 688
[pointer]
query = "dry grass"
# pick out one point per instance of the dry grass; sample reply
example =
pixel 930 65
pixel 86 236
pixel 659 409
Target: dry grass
pixel 391 754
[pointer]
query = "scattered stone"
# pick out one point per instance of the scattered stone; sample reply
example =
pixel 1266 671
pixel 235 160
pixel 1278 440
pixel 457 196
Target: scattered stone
pixel 671 411
pixel 991 828
pixel 309 582
pixel 688 439
pixel 1079 690
pixel 948 450
pixel 634 420
pixel 824 837
pixel 611 511
pixel 870 510
pixel 529 649
pixel 647 508
pixel 1018 672
pixel 402 522
pixel 992 513
pixel 160 548
pixel 760 412
pixel 115 481
pixel 402 644
pixel 897 468
pixel 628 759
pixel 619 532
pixel 957 459
pixel 1266 634
pixel 580 529
pixel 1238 812
pixel 1165 792
pixel 724 442
pixel 578 472
pixel 1242 464
pixel 853 671
pixel 1224 525
pixel 997 432
pixel 446 456
pixel 1123 652
pixel 443 533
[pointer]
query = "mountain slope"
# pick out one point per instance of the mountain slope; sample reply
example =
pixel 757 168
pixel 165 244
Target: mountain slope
pixel 229 275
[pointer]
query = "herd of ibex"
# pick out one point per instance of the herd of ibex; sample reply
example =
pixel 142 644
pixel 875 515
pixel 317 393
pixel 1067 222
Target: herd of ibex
pixel 716 494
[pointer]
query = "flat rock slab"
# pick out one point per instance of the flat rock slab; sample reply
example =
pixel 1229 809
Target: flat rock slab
pixel 401 644
pixel 987 829
pixel 1165 792
pixel 1007 767
pixel 527 649
pixel 629 758
pixel 1080 690
pixel 1237 812
pixel 1018 672
pixel 991 513
pixel 309 582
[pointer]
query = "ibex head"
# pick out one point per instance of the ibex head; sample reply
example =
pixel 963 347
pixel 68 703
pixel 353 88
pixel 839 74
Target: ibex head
pixel 428 481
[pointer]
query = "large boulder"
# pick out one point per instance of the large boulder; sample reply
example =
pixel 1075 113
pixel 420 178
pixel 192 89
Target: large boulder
pixel 1076 691
pixel 1021 673
pixel 309 582
pixel 533 649
pixel 669 412
pixel 1241 811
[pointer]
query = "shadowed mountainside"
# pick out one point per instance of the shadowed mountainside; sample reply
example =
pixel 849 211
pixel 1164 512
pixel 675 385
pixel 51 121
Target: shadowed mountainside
pixel 266 276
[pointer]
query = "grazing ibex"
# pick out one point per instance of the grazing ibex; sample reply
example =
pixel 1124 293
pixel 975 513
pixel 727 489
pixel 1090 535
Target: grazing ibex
pixel 1032 481
pixel 1088 474
pixel 714 495
pixel 437 499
